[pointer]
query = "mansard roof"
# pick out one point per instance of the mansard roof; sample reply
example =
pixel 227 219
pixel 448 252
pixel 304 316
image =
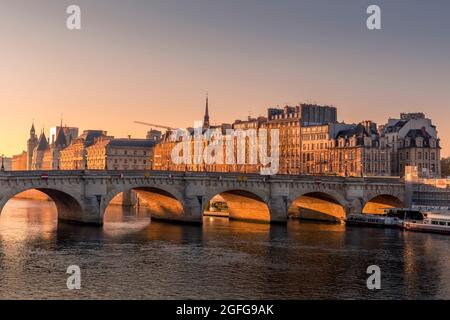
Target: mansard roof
pixel 413 134
pixel 140 143
pixel 88 137
pixel 396 126
pixel 358 131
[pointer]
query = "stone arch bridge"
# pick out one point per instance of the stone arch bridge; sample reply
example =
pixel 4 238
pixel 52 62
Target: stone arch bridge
pixel 82 196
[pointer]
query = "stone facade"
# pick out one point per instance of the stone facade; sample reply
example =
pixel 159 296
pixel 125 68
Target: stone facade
pixel 120 154
pixel 287 121
pixel 420 149
pixel 317 145
pixel 361 151
pixel 413 141
pixel 162 159
pixel 313 142
pixel 43 155
pixel 74 156
pixel 19 162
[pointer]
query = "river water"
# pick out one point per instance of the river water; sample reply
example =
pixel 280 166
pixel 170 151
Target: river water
pixel 132 257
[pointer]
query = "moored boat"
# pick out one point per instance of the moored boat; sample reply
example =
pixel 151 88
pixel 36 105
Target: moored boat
pixel 431 223
pixel 373 220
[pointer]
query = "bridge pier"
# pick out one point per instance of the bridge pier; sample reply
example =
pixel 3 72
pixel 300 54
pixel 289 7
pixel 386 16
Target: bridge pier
pixel 172 211
pixel 278 207
pixel 89 213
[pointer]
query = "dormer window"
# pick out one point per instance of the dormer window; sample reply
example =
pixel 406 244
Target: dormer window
pixel 432 143
pixel 419 142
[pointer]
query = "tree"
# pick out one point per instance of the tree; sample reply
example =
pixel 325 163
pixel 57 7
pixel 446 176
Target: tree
pixel 445 167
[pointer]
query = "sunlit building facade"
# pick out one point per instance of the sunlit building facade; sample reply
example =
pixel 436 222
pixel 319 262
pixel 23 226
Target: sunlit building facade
pixel 74 156
pixel 414 141
pixel 108 153
pixel 287 121
pixel 19 162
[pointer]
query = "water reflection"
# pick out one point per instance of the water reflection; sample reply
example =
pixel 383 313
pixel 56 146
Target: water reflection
pixel 133 257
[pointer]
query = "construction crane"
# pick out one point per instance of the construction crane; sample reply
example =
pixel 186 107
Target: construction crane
pixel 155 125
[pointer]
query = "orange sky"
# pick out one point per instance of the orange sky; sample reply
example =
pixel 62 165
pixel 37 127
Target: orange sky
pixel 155 61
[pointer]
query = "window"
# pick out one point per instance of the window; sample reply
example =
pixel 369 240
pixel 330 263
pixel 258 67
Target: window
pixel 419 143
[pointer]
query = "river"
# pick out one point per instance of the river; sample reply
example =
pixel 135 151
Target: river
pixel 132 257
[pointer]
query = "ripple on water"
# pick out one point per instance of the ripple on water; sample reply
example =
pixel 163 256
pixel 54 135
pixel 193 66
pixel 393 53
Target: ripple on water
pixel 133 257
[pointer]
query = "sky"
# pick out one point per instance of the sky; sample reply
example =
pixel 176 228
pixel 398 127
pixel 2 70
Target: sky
pixel 155 60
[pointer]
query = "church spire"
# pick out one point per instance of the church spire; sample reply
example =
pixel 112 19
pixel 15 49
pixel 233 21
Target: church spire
pixel 206 117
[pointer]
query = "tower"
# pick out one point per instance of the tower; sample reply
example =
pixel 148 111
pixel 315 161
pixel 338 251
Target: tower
pixel 39 152
pixel 59 144
pixel 31 145
pixel 206 117
pixel 60 140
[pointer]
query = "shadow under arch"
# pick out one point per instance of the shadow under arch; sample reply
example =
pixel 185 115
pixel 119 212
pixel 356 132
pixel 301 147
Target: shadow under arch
pixel 68 208
pixel 159 203
pixel 242 205
pixel 379 203
pixel 318 206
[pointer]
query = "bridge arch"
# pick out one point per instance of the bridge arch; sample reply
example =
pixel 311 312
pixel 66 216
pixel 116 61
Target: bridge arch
pixel 242 204
pixel 68 206
pixel 317 205
pixel 161 202
pixel 376 204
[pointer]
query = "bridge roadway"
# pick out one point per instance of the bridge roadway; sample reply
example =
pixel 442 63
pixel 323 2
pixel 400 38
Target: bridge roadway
pixel 83 196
